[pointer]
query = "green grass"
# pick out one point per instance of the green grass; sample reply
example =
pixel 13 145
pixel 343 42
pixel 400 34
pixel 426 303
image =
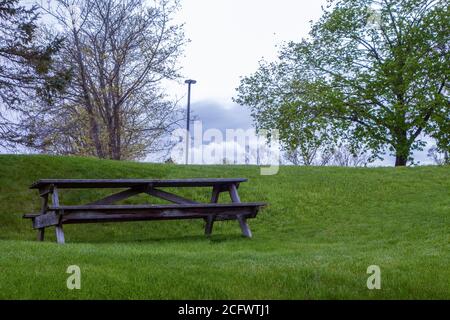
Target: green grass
pixel 323 228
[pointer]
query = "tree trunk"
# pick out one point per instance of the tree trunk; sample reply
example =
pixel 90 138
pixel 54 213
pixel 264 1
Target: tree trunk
pixel 400 160
pixel 94 128
pixel 95 135
pixel 402 148
pixel 116 132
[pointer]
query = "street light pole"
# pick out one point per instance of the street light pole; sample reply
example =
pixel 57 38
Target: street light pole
pixel 189 83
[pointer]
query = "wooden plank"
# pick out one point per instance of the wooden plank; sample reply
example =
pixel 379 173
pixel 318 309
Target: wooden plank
pixel 45 220
pixel 169 196
pixel 129 183
pixel 118 196
pixel 194 212
pixel 30 215
pixel 200 206
pixel 95 216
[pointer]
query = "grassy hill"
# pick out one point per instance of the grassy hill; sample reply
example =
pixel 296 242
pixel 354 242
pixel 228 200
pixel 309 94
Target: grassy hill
pixel 323 228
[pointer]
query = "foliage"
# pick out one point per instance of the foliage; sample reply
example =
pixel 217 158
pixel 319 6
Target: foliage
pixel 437 157
pixel 25 66
pixel 371 74
pixel 118 52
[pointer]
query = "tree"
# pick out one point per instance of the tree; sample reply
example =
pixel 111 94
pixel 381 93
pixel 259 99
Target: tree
pixel 437 157
pixel 344 156
pixel 312 154
pixel 372 73
pixel 118 53
pixel 25 66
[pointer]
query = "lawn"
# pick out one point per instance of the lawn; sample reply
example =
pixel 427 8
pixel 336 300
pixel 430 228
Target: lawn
pixel 321 231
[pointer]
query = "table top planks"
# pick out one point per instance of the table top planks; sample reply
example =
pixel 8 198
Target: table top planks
pixel 130 183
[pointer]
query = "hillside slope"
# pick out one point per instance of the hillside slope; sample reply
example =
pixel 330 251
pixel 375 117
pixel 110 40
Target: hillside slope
pixel 323 228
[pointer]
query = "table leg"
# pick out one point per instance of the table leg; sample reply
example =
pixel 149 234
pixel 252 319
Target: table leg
pixel 40 234
pixel 44 204
pixel 59 234
pixel 209 225
pixel 58 229
pixel 209 221
pixel 242 221
pixel 215 194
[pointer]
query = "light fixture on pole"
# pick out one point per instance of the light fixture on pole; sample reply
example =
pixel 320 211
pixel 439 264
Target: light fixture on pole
pixel 189 83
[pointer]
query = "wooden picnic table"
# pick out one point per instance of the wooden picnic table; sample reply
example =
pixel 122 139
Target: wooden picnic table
pixel 105 209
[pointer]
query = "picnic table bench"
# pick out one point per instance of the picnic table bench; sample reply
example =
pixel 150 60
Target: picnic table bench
pixel 105 209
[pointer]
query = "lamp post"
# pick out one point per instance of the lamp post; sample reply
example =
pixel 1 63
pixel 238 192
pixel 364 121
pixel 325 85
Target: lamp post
pixel 189 83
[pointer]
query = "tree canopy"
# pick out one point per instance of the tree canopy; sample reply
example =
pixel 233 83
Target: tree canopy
pixel 25 65
pixel 372 73
pixel 118 52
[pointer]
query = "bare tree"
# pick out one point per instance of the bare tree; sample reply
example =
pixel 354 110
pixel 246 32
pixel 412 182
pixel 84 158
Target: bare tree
pixel 439 158
pixel 339 154
pixel 304 154
pixel 310 153
pixel 118 52
pixel 345 156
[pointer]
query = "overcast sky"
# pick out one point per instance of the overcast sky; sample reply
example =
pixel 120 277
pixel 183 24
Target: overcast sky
pixel 229 37
pixel 227 40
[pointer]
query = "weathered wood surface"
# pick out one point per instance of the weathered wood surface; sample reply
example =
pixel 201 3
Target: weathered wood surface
pixel 169 196
pixel 85 216
pixel 104 210
pixel 58 228
pixel 44 205
pixel 46 220
pixel 45 190
pixel 30 215
pixel 55 197
pixel 234 194
pixel 116 197
pixel 148 207
pixel 241 218
pixel 244 226
pixel 94 216
pixel 59 234
pixel 129 183
pixel 102 213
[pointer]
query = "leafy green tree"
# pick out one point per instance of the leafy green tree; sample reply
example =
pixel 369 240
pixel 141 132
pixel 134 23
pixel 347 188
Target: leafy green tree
pixel 374 73
pixel 25 67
